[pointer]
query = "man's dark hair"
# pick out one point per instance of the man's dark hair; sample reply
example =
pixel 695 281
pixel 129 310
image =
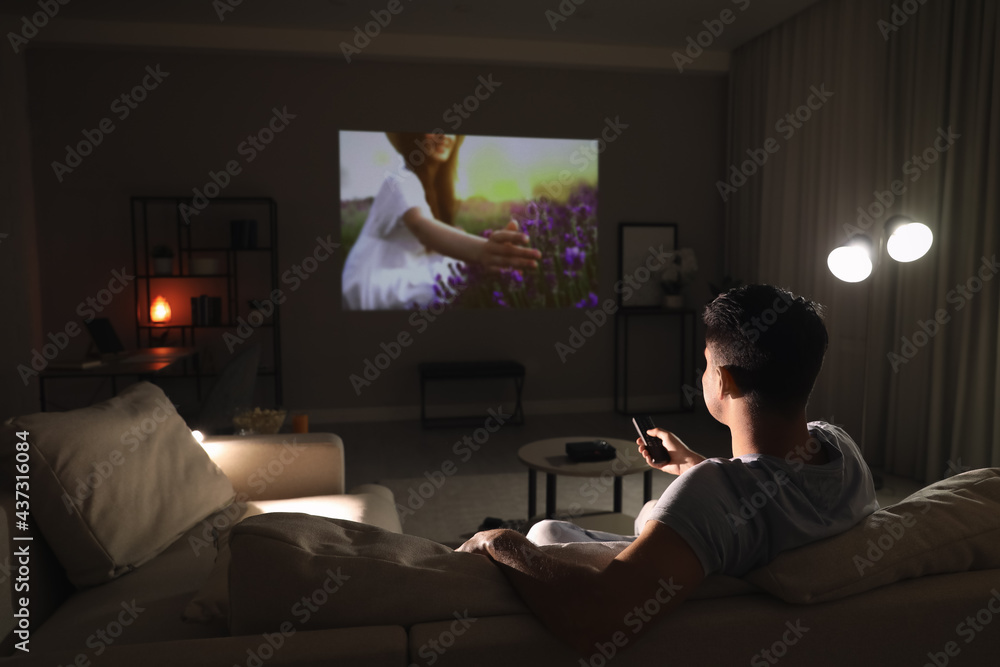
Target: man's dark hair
pixel 771 341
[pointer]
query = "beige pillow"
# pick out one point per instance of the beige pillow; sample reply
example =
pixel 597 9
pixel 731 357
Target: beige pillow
pixel 115 484
pixel 950 526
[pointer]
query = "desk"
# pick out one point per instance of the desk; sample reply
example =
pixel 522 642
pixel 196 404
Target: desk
pixel 549 456
pixel 144 364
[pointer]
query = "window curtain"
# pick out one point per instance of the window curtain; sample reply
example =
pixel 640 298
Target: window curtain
pixel 845 115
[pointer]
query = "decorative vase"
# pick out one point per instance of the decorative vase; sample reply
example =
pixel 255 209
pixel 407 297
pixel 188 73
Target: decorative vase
pixel 163 266
pixel 673 300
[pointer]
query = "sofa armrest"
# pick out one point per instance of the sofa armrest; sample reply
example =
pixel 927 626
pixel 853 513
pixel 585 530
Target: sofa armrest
pixel 271 467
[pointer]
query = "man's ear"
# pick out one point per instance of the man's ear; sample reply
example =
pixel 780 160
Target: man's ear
pixel 728 383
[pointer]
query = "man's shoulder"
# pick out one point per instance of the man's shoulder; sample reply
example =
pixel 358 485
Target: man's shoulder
pixel 836 436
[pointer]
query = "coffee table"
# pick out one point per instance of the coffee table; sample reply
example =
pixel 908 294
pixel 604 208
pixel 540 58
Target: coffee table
pixel 549 456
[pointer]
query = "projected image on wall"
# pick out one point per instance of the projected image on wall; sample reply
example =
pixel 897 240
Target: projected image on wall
pixel 463 221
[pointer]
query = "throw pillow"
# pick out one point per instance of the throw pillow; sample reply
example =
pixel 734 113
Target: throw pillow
pixel 116 483
pixel 950 526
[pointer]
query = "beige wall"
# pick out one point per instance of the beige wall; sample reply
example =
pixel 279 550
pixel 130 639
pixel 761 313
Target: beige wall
pixel 662 168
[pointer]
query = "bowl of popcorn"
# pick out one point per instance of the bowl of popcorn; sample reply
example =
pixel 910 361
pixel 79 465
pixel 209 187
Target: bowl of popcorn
pixel 249 421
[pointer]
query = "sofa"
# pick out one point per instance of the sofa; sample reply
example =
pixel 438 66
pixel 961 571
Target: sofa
pixel 924 595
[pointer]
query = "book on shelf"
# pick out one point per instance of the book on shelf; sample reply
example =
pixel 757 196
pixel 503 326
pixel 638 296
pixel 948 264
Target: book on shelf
pixel 206 310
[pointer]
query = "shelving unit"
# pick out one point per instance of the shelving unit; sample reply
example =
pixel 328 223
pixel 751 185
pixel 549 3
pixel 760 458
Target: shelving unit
pixel 685 317
pixel 244 273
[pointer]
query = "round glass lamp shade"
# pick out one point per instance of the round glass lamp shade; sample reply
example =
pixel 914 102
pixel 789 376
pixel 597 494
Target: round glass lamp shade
pixel 850 263
pixel 909 242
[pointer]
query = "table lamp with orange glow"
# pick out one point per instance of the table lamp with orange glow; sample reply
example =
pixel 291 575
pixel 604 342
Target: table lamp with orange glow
pixel 159 312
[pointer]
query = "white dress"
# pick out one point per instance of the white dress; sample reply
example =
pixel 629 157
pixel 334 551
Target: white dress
pixel 388 268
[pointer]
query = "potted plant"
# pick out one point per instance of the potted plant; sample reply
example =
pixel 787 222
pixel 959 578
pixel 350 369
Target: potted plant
pixel 163 260
pixel 680 271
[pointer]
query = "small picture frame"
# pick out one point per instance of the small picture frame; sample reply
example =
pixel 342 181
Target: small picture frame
pixel 635 240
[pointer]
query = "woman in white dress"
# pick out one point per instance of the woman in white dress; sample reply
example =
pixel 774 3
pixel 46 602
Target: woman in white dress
pixel 409 236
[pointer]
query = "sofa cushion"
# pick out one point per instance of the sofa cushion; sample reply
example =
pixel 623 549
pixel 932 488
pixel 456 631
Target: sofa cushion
pixel 368 503
pixel 949 526
pixel 121 481
pixel 210 605
pixel 352 574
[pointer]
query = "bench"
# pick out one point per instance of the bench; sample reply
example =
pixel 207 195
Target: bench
pixel 466 370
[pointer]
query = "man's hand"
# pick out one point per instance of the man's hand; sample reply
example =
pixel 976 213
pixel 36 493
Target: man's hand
pixel 584 606
pixel 681 458
pixel 481 543
pixel 506 248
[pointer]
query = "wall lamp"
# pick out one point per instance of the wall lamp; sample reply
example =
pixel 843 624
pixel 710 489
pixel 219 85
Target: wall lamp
pixel 855 260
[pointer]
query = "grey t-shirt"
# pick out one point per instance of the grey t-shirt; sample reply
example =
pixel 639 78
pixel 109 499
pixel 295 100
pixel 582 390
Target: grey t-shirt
pixel 738 514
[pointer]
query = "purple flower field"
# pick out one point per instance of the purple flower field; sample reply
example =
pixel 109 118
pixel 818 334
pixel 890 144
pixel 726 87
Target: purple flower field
pixel 566 276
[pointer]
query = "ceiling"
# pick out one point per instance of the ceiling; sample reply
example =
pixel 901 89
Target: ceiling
pixel 624 22
pixel 644 28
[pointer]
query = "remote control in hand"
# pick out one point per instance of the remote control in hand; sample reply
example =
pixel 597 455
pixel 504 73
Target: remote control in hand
pixel 654 445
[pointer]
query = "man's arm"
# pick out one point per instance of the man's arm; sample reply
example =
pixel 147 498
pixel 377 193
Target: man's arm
pixel 585 606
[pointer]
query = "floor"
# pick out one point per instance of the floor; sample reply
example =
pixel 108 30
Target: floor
pixel 403 449
pixel 490 481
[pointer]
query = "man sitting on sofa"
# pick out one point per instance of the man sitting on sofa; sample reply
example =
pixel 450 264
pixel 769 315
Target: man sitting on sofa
pixel 788 483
